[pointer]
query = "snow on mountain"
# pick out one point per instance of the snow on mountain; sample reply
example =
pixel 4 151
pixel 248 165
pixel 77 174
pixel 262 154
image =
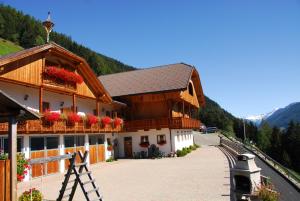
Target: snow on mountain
pixel 257 119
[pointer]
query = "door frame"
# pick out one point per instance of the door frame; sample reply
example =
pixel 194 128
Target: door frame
pixel 125 140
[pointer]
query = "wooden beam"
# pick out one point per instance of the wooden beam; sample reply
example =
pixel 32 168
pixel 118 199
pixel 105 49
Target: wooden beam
pixel 12 143
pixel 97 107
pixel 41 99
pixel 74 103
pixel 183 108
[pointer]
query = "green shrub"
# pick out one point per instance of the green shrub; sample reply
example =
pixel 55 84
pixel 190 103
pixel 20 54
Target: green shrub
pixel 197 146
pixel 110 160
pixel 36 195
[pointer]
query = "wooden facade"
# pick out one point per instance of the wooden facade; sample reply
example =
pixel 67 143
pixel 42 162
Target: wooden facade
pixel 5 180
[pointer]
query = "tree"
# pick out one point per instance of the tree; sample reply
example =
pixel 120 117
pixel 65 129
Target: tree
pixel 264 137
pixel 275 150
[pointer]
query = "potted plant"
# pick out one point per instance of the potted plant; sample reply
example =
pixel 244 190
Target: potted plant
pixel 73 118
pixel 51 116
pixel 31 195
pixel 22 166
pixel 117 122
pixel 109 147
pixel 106 121
pixel 91 119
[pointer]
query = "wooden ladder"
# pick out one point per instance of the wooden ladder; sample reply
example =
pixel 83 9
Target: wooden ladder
pixel 80 170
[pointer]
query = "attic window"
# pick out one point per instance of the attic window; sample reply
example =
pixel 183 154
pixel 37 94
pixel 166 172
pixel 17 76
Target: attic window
pixel 191 91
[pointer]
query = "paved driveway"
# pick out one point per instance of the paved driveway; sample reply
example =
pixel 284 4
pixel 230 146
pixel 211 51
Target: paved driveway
pixel 202 175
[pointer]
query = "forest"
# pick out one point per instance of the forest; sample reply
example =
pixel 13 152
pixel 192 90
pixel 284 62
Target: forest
pixel 283 145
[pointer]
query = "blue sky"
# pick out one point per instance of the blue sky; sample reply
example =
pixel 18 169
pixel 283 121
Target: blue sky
pixel 247 51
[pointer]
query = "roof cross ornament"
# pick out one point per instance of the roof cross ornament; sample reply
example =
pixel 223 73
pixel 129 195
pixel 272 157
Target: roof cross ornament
pixel 48 25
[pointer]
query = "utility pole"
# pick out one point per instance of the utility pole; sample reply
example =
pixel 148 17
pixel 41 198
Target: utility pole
pixel 244 129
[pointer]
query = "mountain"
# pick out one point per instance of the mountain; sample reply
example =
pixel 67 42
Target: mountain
pixel 257 119
pixel 7 47
pixel 283 116
pixel 26 31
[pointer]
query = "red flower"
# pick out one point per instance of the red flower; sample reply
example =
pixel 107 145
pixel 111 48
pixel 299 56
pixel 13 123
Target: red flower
pixel 51 116
pixel 73 118
pixel 109 148
pixel 118 121
pixel 63 74
pixel 144 144
pixel 106 120
pixel 92 119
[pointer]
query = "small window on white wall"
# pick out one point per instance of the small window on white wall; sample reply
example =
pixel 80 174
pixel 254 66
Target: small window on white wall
pixel 144 139
pixel 161 139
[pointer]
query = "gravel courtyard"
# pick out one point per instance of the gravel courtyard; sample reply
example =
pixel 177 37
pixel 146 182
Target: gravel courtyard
pixel 202 175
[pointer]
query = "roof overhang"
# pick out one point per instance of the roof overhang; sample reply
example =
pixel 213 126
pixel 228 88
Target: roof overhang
pixel 9 107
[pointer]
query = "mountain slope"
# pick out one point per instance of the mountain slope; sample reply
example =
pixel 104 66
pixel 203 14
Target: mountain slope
pixel 7 47
pixel 283 116
pixel 27 32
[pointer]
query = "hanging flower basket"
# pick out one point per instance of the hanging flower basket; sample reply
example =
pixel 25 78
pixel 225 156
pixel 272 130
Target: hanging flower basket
pixel 51 116
pixel 163 142
pixel 91 119
pixel 144 144
pixel 106 120
pixel 109 148
pixel 73 118
pixel 63 75
pixel 117 122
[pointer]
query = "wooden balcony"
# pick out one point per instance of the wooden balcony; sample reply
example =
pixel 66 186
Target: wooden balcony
pixel 40 127
pixel 174 123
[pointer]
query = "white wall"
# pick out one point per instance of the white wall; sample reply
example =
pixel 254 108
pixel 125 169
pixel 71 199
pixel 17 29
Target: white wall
pixel 55 100
pixel 104 108
pixel 136 139
pixel 181 138
pixel 18 92
pixel 86 105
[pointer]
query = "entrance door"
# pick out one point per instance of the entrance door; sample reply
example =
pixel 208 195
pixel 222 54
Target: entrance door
pixel 97 151
pixel 128 147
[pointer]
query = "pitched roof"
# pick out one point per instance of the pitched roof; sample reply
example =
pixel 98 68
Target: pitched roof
pixel 84 67
pixel 150 80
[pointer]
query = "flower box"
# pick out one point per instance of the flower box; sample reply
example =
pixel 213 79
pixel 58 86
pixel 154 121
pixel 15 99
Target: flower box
pixel 63 75
pixel 162 142
pixel 51 116
pixel 117 122
pixel 106 121
pixel 144 144
pixel 73 118
pixel 91 119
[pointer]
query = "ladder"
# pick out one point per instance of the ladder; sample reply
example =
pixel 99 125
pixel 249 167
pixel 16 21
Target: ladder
pixel 81 171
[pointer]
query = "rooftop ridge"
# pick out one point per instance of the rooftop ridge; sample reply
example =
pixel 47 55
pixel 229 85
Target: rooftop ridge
pixel 148 68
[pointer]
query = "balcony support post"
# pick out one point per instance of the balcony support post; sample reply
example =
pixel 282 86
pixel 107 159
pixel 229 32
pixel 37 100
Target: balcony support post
pixel 41 100
pixel 183 108
pixel 74 103
pixel 97 107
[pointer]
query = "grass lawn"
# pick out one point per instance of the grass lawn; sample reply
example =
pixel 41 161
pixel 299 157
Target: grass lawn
pixel 7 47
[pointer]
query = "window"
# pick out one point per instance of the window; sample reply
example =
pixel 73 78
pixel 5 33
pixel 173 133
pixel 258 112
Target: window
pixel 144 139
pixel 161 139
pixel 107 113
pixel 37 143
pixel 191 91
pixel 101 139
pixel 79 140
pixel 96 139
pixel 108 141
pixel 52 142
pixel 46 106
pixel 69 141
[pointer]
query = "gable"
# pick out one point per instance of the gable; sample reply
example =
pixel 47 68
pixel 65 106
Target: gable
pixel 28 67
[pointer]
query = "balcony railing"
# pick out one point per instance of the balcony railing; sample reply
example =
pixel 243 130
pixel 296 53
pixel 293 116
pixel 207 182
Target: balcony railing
pixel 175 123
pixel 40 126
